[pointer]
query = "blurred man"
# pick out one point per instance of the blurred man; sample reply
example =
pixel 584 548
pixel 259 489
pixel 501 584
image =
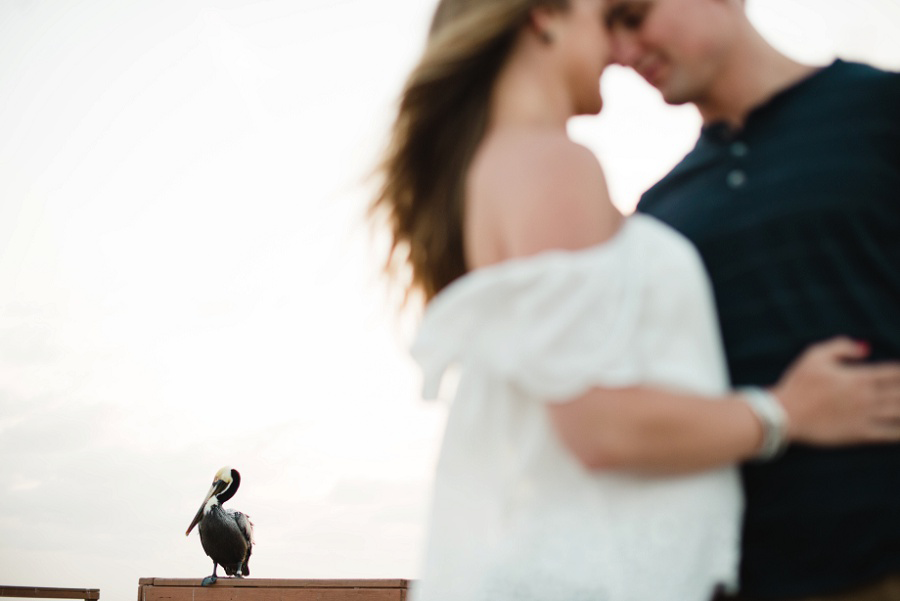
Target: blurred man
pixel 792 196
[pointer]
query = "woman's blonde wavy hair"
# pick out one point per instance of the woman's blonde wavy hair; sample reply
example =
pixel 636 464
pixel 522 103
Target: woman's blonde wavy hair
pixel 442 119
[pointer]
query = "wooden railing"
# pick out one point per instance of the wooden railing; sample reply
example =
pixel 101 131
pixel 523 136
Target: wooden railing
pixel 46 592
pixel 264 589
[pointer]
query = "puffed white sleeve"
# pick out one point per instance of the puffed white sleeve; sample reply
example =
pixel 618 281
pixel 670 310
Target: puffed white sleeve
pixel 551 326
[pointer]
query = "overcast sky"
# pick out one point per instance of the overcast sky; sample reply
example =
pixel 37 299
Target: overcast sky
pixel 186 281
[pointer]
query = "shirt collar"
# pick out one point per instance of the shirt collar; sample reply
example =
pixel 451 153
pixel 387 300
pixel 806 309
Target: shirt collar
pixel 721 132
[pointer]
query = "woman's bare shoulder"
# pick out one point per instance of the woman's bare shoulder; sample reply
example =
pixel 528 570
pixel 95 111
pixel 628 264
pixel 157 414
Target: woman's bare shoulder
pixel 542 191
pixel 524 157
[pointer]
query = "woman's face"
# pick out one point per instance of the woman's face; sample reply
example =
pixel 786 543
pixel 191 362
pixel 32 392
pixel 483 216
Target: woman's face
pixel 585 50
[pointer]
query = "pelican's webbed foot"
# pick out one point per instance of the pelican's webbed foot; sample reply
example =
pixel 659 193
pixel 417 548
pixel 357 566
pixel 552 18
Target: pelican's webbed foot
pixel 211 579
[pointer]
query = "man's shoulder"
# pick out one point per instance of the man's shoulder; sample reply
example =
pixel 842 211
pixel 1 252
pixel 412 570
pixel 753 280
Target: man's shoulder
pixel 695 159
pixel 862 80
pixel 860 71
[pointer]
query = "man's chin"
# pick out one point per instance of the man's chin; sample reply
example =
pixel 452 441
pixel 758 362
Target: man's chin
pixel 674 97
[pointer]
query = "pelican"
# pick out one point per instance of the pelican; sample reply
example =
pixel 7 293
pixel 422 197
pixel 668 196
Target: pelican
pixel 226 534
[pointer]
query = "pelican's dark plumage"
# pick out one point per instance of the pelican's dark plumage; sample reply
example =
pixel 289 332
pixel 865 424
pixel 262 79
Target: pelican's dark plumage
pixel 226 534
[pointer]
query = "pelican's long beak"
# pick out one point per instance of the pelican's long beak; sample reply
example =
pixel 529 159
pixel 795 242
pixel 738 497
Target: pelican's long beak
pixel 217 487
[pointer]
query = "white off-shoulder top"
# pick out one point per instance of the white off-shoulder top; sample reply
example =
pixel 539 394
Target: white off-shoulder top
pixel 514 515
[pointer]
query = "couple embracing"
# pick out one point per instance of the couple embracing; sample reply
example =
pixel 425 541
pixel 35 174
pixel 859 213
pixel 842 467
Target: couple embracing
pixel 697 401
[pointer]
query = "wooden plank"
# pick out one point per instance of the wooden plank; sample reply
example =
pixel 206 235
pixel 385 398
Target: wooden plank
pixel 284 582
pixel 47 592
pixel 267 589
pixel 211 593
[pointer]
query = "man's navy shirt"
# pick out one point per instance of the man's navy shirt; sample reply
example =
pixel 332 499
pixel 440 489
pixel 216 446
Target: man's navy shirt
pixel 797 217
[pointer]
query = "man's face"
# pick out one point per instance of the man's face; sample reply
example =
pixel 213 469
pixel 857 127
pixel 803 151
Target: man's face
pixel 673 44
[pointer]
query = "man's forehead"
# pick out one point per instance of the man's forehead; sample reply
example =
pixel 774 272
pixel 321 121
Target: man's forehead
pixel 627 15
pixel 617 7
pixel 627 3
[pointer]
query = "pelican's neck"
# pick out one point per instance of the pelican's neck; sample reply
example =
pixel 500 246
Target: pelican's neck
pixel 232 487
pixel 213 502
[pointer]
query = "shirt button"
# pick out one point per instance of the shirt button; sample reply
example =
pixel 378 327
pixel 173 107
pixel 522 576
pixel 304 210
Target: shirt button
pixel 736 179
pixel 739 149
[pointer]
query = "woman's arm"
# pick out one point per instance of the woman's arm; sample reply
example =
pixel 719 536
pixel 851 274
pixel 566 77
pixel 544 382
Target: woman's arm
pixel 828 402
pixel 654 430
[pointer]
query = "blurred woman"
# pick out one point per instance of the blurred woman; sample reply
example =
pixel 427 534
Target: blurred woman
pixel 590 446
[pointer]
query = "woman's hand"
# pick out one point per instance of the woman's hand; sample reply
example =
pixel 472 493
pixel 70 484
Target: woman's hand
pixel 831 399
